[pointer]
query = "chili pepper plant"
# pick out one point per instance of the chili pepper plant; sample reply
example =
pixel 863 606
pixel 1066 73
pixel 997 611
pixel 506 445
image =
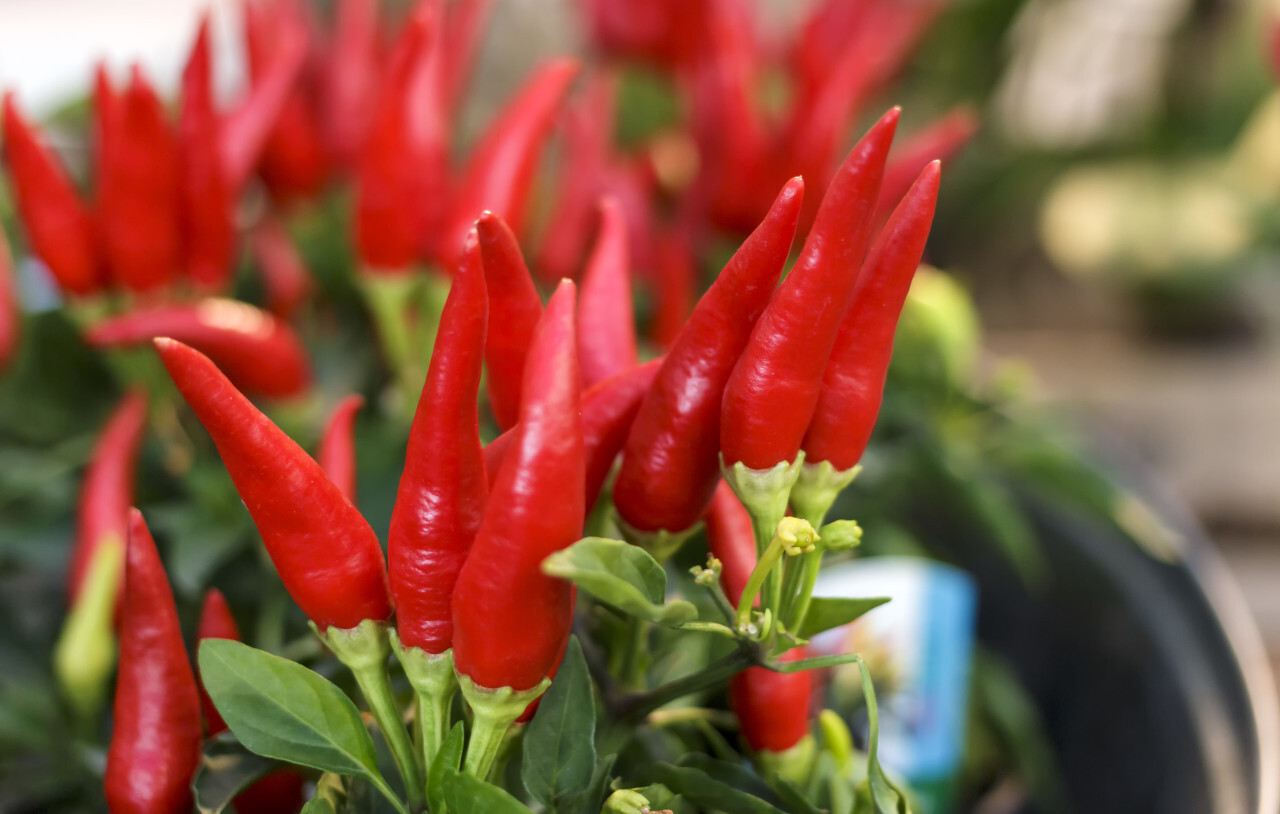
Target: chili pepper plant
pixel 562 560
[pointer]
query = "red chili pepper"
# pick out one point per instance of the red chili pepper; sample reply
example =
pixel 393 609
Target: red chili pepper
pixel 773 708
pixel 853 383
pixel 107 490
pixel 216 622
pixel 730 133
pixel 276 793
pixel 587 134
pixel 675 280
pixel 937 141
pixel 350 79
pixel 284 274
pixel 465 25
pixel 57 225
pixel 499 173
pixel 10 307
pixel 514 309
pixel 771 393
pixel 402 176
pixel 671 464
pixel 140 190
pixel 608 409
pixel 337 453
pixel 246 128
pixel 663 33
pixel 294 165
pixel 207 203
pixel 731 540
pixel 509 618
pixel 155 739
pixel 259 352
pixel 325 552
pixel 443 488
pixel 605 313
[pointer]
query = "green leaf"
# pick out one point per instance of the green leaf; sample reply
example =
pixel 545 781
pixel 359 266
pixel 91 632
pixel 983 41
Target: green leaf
pixel 591 800
pixel 226 769
pixel 465 794
pixel 826 612
pixel 736 775
pixel 700 789
pixel 622 575
pixel 330 796
pixel 283 710
pixel 559 745
pixel 447 760
pixel 886 796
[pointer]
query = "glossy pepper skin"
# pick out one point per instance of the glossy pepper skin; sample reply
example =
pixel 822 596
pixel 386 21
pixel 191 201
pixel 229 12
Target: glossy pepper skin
pixel 509 618
pixel 771 394
pixel 443 489
pixel 671 464
pixel 57 225
pixel 10 308
pixel 326 554
pixel 257 351
pixel 337 451
pixel 731 540
pixel 853 383
pixel 403 170
pixel 675 283
pixel 606 318
pixel 155 740
pixel 208 228
pixel 107 491
pixel 140 189
pixel 772 708
pixel 514 310
pixel 499 173
pixel 608 410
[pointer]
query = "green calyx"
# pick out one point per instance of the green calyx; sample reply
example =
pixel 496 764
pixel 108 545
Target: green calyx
pixel 495 711
pixel 764 492
pixel 364 649
pixel 86 650
pixel 434 682
pixel 794 764
pixel 627 801
pixel 660 544
pixel 816 488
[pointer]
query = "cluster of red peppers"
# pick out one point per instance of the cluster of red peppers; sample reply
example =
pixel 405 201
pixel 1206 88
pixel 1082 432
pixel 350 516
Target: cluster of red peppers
pixel 761 403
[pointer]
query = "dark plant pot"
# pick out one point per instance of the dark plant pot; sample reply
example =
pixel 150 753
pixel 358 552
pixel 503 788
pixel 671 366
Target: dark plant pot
pixel 1150 676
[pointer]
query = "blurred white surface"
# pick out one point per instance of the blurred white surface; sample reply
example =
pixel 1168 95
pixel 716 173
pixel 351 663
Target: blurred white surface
pixel 48 48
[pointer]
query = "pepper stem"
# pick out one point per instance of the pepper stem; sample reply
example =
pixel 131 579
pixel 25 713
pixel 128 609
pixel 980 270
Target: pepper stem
pixel 86 648
pixel 792 537
pixel 815 491
pixel 764 493
pixel 433 681
pixel 364 649
pixel 495 711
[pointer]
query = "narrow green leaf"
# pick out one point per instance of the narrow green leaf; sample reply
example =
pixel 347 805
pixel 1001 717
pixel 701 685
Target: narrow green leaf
pixel 826 612
pixel 816 663
pixel 282 710
pixel 886 796
pixel 226 769
pixel 695 786
pixel 559 745
pixel 622 575
pixel 736 775
pixel 448 759
pixel 465 794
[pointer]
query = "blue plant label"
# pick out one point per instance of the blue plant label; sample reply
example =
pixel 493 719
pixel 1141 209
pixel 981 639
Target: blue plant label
pixel 919 648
